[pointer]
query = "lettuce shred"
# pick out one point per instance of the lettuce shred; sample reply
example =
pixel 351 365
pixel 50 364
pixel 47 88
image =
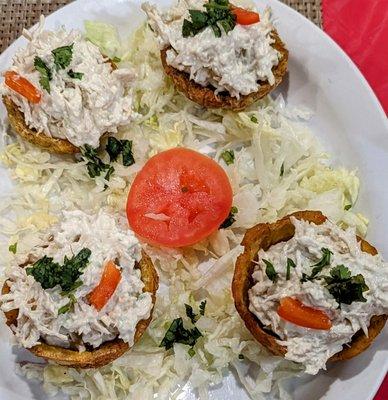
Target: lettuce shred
pixel 279 168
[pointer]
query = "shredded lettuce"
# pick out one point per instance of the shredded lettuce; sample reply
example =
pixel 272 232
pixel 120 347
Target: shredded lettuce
pixel 279 168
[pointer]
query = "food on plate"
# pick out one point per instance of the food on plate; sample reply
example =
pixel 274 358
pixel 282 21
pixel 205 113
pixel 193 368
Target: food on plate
pixel 61 93
pixel 309 290
pixel 179 198
pixel 218 54
pixel 84 295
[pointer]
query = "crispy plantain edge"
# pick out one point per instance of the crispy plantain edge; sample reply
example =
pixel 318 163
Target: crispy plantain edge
pixel 263 236
pixel 206 96
pixel 108 351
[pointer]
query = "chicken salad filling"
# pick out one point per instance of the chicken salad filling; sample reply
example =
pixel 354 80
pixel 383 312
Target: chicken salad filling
pixel 221 53
pixel 321 269
pixel 70 90
pixel 56 285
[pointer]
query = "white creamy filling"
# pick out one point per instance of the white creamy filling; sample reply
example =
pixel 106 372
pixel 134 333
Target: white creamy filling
pixel 236 62
pixel 79 110
pixel 309 346
pixel 108 239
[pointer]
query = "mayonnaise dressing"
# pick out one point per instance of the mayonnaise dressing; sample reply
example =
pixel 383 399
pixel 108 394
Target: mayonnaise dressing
pixel 236 62
pixel 108 238
pixel 309 346
pixel 79 110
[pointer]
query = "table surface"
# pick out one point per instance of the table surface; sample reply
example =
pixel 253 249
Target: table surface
pixel 18 14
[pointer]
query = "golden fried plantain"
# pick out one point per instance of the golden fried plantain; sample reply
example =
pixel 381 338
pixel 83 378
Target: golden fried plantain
pixel 263 236
pixel 108 351
pixel 206 97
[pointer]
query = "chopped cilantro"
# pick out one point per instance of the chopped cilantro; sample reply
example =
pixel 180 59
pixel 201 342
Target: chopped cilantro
pixel 290 264
pixel 318 267
pixel 177 333
pixel 50 274
pixel 230 220
pixel 217 15
pixel 190 314
pixel 116 147
pixel 95 165
pixel 62 56
pixel 13 248
pixel 202 307
pixel 191 352
pixel 75 75
pixel 344 287
pixel 45 73
pixel 228 156
pixel 69 306
pixel 270 271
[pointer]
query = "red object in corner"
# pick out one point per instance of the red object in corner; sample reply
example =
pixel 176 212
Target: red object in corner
pixel 382 394
pixel 360 27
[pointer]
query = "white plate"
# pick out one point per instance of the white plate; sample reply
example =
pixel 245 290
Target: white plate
pixel 351 124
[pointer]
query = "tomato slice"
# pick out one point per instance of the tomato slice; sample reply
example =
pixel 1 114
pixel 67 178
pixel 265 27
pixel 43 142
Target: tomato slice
pixel 22 86
pixel 245 17
pixel 100 295
pixel 190 192
pixel 293 310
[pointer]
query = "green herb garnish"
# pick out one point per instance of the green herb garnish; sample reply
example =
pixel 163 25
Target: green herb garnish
pixel 62 56
pixel 218 15
pixel 13 248
pixel 347 207
pixel 45 73
pixel 230 220
pixel 254 119
pixel 282 170
pixel 75 75
pixel 344 287
pixel 116 147
pixel 116 59
pixel 95 165
pixel 241 357
pixel 50 274
pixel 177 333
pixel 270 271
pixel 202 307
pixel 191 352
pixel 318 267
pixel 69 306
pixel 290 264
pixel 190 314
pixel 228 156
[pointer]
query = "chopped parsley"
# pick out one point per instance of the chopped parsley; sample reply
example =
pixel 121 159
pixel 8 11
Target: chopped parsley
pixel 218 15
pixel 62 56
pixel 69 306
pixel 191 314
pixel 318 267
pixel 231 219
pixel 45 73
pixel 116 147
pixel 347 207
pixel 75 75
pixel 191 352
pixel 177 333
pixel 95 165
pixel 254 119
pixel 50 274
pixel 282 170
pixel 202 307
pixel 270 271
pixel 13 248
pixel 344 287
pixel 241 357
pixel 290 264
pixel 228 156
pixel 116 59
